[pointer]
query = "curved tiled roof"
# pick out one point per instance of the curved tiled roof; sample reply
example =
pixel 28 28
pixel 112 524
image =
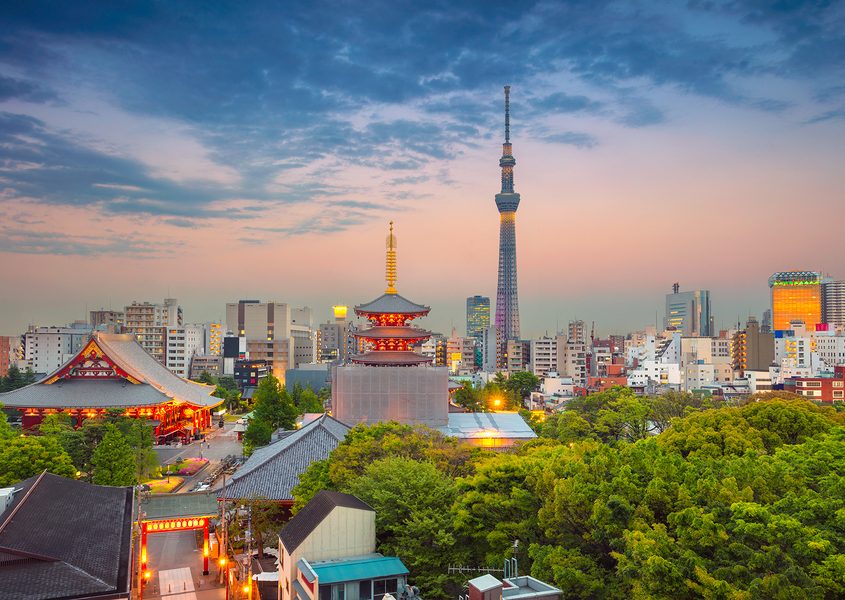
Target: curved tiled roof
pixel 273 471
pixel 125 350
pixel 394 304
pixel 382 333
pixel 388 357
pixel 71 539
pixel 84 394
pixel 156 384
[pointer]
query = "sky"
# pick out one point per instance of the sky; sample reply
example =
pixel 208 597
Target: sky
pixel 212 151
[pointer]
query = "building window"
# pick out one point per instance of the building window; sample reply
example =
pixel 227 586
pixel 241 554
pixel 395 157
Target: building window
pixel 384 586
pixel 365 590
pixel 325 592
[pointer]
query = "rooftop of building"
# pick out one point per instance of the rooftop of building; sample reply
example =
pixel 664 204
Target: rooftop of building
pixel 501 425
pixel 62 538
pixel 392 304
pixel 391 357
pixel 145 381
pixel 371 566
pixel 312 514
pixel 273 470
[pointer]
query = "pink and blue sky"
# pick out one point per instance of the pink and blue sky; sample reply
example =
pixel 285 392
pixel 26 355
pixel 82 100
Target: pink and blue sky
pixel 226 150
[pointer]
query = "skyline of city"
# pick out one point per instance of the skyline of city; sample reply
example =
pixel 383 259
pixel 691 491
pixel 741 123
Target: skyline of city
pixel 248 180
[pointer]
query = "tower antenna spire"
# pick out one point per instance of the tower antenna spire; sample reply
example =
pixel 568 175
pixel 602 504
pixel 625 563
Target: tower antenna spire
pixel 390 262
pixel 507 114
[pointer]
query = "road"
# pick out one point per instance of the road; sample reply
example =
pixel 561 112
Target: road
pixel 219 444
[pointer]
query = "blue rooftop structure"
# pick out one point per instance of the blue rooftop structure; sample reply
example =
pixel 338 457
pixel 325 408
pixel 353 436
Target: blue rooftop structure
pixel 358 569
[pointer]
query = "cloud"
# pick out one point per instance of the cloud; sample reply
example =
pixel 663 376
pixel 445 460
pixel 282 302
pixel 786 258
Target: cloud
pixel 21 89
pixel 17 241
pixel 561 102
pixel 573 138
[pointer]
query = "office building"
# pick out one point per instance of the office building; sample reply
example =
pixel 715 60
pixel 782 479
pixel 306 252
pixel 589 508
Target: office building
pixel 10 352
pixel 489 348
pixel 796 296
pixel 688 312
pixel 507 201
pixel 478 316
pixel 148 323
pixel 274 332
pixel 577 331
pixel 833 303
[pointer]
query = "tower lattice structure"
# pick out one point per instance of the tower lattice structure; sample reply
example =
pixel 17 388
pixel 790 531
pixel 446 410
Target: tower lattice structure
pixel 507 299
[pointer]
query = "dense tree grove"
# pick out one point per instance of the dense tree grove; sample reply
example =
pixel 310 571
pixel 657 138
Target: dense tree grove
pixel 276 408
pixel 499 394
pixel 620 497
pixel 56 446
pixel 15 379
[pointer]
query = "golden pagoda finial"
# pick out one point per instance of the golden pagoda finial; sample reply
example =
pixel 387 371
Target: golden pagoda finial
pixel 390 270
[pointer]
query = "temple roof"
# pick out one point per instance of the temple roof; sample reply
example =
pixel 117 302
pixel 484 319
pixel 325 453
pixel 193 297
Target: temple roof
pixel 392 304
pixel 63 538
pixel 386 333
pixel 388 357
pixel 273 470
pixel 155 383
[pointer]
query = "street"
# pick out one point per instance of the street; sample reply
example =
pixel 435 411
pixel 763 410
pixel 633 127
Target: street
pixel 219 444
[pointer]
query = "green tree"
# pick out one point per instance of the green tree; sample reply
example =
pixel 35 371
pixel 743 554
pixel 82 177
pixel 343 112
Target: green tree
pixel 567 426
pixel 206 378
pixel 22 457
pixel 309 402
pixel 113 461
pixel 522 383
pixel 469 397
pixel 265 517
pixel 258 433
pixel 409 497
pixel 273 405
pixel 15 379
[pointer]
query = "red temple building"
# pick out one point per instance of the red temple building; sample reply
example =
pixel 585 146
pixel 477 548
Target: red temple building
pixel 113 371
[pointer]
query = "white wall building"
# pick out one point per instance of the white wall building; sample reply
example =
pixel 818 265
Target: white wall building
pixel 544 356
pixel 182 343
pixel 45 349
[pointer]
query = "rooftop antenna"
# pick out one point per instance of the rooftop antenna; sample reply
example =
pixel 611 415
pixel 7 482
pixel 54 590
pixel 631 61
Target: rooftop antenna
pixel 507 114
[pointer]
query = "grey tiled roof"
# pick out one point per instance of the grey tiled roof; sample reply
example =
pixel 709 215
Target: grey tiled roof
pixel 157 383
pixel 392 303
pixel 73 539
pixel 76 393
pixel 273 471
pixel 312 514
pixel 128 353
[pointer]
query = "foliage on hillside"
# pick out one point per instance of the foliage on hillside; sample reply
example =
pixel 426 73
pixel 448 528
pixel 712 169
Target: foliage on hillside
pixel 620 497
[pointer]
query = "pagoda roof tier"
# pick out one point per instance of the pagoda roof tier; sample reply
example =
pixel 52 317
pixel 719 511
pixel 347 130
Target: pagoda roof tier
pixel 392 304
pixel 397 333
pixel 111 370
pixel 386 358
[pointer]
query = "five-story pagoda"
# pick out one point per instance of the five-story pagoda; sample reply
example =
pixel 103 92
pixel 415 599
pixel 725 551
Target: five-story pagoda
pixel 388 381
pixel 390 339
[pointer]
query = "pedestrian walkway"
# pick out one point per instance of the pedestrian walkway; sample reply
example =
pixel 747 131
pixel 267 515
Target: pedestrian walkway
pixel 176 584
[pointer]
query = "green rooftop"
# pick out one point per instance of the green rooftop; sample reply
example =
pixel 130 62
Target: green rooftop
pixel 170 506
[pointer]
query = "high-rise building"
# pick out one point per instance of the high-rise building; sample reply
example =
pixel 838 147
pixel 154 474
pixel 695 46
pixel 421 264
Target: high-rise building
pixel 183 342
pixel 688 312
pixel 833 303
pixel 274 332
pixel 577 332
pixel 544 356
pixel 478 316
pixel 333 337
pixel 796 296
pixel 752 350
pixel 148 322
pixel 507 201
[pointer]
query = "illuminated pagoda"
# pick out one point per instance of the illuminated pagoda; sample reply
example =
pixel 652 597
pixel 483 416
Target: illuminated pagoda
pixel 391 339
pixel 388 381
pixel 113 372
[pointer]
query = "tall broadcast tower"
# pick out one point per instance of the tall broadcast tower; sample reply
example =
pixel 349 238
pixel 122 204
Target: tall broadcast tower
pixel 507 302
